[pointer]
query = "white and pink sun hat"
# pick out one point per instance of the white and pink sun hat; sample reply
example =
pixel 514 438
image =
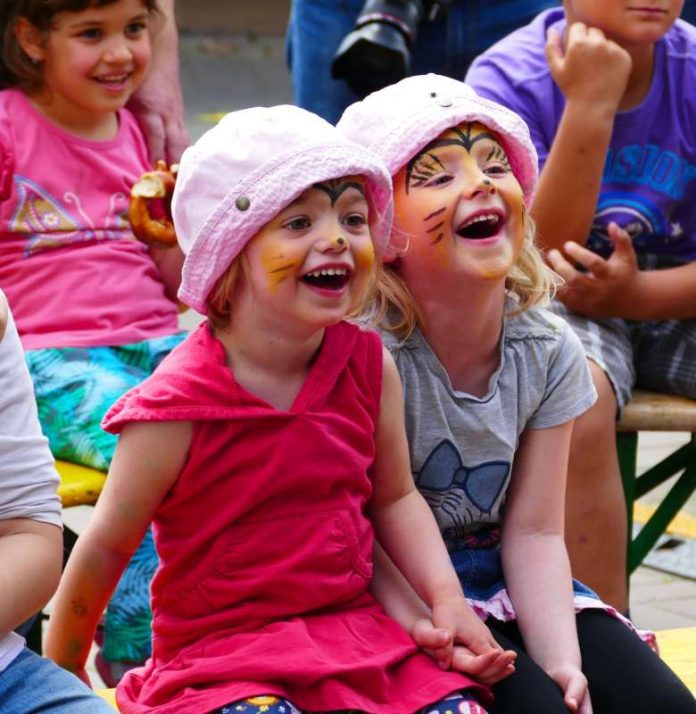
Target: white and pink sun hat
pixel 398 121
pixel 241 173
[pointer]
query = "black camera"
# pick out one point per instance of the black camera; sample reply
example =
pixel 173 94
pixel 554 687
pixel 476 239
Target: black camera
pixel 378 50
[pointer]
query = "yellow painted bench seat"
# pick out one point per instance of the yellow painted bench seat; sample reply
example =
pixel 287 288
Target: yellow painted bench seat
pixel 108 695
pixel 79 485
pixel 677 648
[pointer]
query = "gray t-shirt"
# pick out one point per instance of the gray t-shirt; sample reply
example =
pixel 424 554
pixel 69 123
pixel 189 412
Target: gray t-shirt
pixel 462 447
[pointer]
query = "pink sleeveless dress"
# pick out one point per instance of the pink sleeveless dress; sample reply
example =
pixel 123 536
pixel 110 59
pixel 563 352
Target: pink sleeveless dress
pixel 265 549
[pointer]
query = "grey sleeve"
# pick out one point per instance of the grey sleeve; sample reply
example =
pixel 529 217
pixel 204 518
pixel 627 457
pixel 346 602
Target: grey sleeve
pixel 28 478
pixel 569 389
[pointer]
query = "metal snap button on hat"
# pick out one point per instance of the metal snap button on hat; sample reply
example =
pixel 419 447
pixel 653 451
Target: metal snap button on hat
pixel 242 203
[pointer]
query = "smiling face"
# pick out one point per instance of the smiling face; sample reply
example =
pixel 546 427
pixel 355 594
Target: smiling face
pixel 92 59
pixel 628 22
pixel 314 261
pixel 461 208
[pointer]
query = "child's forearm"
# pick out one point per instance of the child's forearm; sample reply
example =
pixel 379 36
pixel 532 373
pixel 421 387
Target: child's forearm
pixel 30 562
pixel 89 579
pixel 409 534
pixel 397 596
pixel 668 294
pixel 566 197
pixel 537 575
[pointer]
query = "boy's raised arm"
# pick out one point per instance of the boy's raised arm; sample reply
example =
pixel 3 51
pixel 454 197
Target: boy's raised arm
pixel 592 72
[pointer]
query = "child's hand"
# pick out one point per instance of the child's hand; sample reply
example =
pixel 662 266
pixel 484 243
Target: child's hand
pixel 476 651
pixel 573 683
pixel 435 642
pixel 609 288
pixel 591 68
pixel 489 668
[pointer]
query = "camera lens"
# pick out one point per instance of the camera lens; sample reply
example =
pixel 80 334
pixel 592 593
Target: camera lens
pixel 378 51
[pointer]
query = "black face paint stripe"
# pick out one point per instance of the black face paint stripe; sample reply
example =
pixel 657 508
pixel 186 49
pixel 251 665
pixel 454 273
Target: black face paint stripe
pixel 498 153
pixel 434 228
pixel 438 239
pixel 335 187
pixel 424 171
pixel 435 213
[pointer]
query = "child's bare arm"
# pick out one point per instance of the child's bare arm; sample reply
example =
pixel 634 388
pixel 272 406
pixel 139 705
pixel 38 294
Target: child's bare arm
pixel 535 561
pixel 614 287
pixel 406 527
pixel 147 461
pixel 592 72
pixel 30 562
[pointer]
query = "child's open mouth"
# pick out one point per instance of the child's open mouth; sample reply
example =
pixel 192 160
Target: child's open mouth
pixel 328 278
pixel 484 225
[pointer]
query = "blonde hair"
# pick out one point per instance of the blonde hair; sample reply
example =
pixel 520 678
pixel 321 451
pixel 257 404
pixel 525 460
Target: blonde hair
pixel 221 297
pixel 530 282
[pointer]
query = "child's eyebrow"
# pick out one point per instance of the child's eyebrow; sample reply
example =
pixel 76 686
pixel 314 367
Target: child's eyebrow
pixel 335 187
pixel 91 22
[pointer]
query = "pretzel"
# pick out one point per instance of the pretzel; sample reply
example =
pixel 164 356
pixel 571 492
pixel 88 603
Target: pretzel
pixel 153 186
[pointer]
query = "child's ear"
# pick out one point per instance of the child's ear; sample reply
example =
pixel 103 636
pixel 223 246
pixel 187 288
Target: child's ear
pixel 389 254
pixel 30 40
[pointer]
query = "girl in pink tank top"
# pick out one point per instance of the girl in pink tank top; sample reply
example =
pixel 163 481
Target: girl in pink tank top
pixel 269 451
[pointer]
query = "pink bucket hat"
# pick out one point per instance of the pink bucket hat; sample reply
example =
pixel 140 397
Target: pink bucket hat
pixel 398 121
pixel 245 170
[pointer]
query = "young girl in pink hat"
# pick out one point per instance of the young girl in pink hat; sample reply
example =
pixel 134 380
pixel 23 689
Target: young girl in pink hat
pixel 492 383
pixel 259 447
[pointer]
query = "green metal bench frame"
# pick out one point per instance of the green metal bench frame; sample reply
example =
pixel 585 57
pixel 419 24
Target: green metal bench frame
pixel 682 461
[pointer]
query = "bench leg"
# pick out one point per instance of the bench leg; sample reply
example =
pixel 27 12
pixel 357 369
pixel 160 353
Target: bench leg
pixel 627 447
pixel 683 460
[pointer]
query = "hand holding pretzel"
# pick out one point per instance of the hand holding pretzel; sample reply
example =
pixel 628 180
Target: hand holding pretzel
pixel 154 187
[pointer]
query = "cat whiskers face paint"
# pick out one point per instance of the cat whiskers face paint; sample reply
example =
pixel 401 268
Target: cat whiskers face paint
pixel 460 202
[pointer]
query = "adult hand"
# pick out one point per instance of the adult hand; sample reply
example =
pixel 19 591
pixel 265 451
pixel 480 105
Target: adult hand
pixel 476 651
pixel 590 68
pixel 573 684
pixel 158 105
pixel 609 288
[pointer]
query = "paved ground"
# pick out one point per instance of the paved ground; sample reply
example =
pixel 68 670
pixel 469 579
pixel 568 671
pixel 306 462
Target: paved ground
pixel 221 73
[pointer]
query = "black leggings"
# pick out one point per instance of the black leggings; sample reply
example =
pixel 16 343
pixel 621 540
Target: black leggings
pixel 625 676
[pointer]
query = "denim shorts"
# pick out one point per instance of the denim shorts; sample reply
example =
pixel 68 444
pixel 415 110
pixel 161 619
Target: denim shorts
pixel 32 684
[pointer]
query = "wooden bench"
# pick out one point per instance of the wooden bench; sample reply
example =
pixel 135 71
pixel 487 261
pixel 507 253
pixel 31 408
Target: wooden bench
pixel 648 411
pixel 677 649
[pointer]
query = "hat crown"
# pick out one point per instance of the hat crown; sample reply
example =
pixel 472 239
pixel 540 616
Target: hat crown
pixel 398 121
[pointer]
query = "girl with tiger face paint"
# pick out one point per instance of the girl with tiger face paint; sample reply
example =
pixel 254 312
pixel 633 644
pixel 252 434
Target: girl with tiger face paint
pixel 277 426
pixel 493 383
pixel 461 208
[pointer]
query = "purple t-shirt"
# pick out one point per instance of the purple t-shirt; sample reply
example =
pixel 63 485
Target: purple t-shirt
pixel 649 182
